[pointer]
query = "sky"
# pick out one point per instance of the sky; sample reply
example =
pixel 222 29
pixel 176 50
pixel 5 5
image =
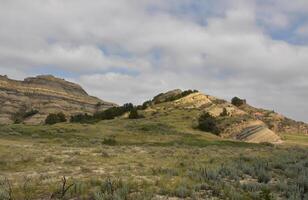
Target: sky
pixel 130 50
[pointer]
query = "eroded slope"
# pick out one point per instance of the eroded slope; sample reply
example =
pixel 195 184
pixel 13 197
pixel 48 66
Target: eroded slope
pixel 45 94
pixel 232 121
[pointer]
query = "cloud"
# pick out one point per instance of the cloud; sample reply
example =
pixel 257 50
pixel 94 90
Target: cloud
pixel 129 51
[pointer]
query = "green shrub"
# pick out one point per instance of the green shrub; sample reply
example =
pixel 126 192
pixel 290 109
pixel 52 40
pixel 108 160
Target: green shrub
pixel 251 187
pixel 22 114
pixel 109 141
pixel 164 171
pixel 145 105
pixel 108 114
pixel 98 105
pixel 134 114
pixel 30 113
pixel 263 176
pixel 55 118
pixel 112 189
pixel 237 101
pixel 266 194
pixel 172 98
pixel 82 118
pixel 183 191
pixel 183 94
pixel 188 92
pixel 5 189
pixel 204 175
pixel 208 123
pixel 113 112
pixel 267 144
pixel 50 159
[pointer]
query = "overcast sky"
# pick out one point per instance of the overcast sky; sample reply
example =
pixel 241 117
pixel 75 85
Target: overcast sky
pixel 130 50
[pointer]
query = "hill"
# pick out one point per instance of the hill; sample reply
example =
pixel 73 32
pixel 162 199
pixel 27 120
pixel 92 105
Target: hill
pixel 231 121
pixel 275 121
pixel 31 100
pixel 243 121
pixel 162 155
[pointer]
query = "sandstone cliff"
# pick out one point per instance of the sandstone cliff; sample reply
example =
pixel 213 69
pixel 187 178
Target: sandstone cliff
pixel 45 94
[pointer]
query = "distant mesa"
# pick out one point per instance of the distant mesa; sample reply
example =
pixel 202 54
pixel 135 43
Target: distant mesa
pixel 45 94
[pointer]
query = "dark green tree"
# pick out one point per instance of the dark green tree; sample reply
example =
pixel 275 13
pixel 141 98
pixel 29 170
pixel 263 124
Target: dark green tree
pixel 134 114
pixel 237 101
pixel 55 118
pixel 82 118
pixel 61 117
pixel 145 105
pixel 208 123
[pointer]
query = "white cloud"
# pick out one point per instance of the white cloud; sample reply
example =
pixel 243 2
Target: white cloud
pixel 131 50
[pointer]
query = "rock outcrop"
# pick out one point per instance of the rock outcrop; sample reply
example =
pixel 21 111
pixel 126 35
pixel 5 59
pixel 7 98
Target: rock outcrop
pixel 162 97
pixel 276 121
pixel 41 96
pixel 232 121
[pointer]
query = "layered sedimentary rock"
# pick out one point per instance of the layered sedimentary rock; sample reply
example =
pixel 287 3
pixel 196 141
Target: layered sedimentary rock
pixel 232 121
pixel 44 95
pixel 276 121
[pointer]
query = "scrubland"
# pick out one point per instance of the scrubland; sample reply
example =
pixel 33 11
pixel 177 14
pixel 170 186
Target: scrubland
pixel 161 156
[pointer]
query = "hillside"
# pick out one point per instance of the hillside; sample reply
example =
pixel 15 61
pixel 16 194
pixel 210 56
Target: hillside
pixel 42 95
pixel 275 121
pixel 242 122
pixel 232 122
pixel 160 156
pixel 31 100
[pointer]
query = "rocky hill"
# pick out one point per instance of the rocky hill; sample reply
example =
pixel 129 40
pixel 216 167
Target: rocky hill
pixel 242 122
pixel 31 100
pixel 231 121
pixel 276 121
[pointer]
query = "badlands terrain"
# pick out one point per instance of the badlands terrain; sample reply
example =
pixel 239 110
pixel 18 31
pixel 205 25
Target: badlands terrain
pixel 163 152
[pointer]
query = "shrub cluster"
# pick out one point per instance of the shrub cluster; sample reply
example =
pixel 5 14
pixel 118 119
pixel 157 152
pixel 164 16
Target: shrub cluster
pixel 109 141
pixel 110 113
pixel 237 101
pixel 30 113
pixel 82 118
pixel 113 112
pixel 172 98
pixel 22 115
pixel 113 189
pixel 135 115
pixel 55 118
pixel 155 100
pixel 208 123
pixel 145 105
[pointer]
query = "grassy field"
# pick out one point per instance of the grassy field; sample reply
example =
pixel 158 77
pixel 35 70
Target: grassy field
pixel 157 157
pixel 295 139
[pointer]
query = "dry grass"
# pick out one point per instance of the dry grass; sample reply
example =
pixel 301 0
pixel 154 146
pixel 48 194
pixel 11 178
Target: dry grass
pixel 159 156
